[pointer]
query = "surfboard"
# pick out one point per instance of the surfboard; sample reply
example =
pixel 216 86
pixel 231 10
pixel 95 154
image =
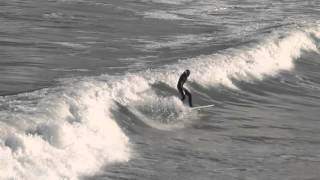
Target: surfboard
pixel 201 107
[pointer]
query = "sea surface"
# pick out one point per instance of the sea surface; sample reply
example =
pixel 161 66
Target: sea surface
pixel 88 89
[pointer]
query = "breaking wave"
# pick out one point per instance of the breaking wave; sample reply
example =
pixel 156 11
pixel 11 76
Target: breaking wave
pixel 69 130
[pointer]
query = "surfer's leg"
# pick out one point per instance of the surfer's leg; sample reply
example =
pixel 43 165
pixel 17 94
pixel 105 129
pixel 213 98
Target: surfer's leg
pixel 189 96
pixel 181 93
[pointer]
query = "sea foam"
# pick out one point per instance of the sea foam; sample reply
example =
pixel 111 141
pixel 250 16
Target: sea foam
pixel 71 133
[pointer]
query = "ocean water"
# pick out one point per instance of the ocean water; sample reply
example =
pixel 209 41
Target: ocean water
pixel 88 89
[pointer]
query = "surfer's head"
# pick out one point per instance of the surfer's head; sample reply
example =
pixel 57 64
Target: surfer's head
pixel 187 72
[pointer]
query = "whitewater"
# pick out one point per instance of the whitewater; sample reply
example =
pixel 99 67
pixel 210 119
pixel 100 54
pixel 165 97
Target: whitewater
pixel 88 89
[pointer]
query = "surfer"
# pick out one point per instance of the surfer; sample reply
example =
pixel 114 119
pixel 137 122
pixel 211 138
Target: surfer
pixel 183 91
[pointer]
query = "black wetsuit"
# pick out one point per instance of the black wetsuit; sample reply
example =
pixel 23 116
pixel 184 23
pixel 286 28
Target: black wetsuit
pixel 183 91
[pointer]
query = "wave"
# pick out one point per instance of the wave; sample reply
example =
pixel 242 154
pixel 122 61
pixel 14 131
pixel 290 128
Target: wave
pixel 70 130
pixel 248 63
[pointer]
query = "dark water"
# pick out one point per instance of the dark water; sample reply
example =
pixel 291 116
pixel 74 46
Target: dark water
pixel 88 89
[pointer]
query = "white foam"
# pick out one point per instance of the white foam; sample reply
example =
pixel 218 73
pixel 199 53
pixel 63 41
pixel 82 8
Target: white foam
pixel 70 134
pixel 164 113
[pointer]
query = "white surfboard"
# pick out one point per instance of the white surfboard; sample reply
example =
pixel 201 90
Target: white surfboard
pixel 201 107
